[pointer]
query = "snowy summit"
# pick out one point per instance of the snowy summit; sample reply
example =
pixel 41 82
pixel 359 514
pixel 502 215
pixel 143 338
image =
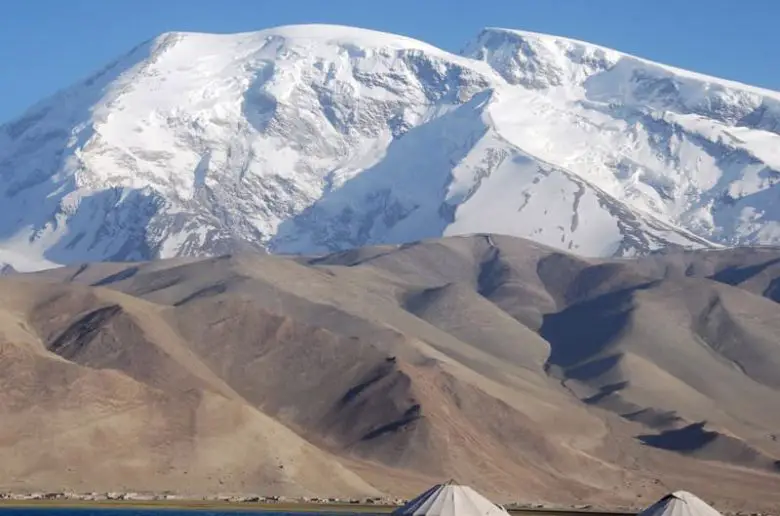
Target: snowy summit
pixel 307 139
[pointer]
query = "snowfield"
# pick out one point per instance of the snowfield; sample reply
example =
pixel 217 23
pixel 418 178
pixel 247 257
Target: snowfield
pixel 309 139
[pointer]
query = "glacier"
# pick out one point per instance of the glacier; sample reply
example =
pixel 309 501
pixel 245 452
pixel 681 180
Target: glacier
pixel 316 138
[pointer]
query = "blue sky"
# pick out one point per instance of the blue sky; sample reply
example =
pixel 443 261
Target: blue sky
pixel 48 44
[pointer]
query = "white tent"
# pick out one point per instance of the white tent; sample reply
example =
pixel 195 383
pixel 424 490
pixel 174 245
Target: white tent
pixel 451 499
pixel 680 503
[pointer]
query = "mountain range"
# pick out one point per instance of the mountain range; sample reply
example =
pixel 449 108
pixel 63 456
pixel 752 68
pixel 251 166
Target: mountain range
pixel 321 260
pixel 529 373
pixel 314 139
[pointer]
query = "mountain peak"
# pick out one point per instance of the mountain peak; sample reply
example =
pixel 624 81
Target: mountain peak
pixel 300 34
pixel 539 60
pixel 315 138
pixel 509 48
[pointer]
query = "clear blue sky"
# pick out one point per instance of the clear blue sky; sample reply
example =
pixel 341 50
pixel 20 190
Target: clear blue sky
pixel 48 44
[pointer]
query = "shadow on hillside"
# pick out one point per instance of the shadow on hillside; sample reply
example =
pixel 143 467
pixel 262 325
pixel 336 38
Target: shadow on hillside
pixel 737 275
pixel 697 441
pixel 581 336
pixel 390 201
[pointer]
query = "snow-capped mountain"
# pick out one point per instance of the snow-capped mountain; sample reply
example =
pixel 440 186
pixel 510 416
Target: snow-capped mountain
pixel 307 139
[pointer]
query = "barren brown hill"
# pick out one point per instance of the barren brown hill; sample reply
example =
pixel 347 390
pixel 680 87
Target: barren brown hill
pixel 531 374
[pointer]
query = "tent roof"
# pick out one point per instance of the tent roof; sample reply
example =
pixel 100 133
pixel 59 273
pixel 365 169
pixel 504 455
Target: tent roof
pixel 680 503
pixel 450 499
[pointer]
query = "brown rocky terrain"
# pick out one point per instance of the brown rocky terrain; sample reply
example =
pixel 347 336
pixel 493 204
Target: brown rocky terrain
pixel 533 375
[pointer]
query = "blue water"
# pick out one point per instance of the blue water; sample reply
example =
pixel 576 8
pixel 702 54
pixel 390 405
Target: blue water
pixel 60 511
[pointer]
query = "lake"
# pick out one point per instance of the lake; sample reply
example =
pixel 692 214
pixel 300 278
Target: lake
pixel 80 511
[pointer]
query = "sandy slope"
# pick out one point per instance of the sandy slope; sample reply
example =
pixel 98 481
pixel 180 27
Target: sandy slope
pixel 532 374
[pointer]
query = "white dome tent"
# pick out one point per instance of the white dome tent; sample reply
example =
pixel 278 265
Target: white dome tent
pixel 680 503
pixel 451 499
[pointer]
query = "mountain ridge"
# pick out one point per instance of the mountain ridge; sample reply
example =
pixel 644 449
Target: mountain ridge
pixel 675 69
pixel 521 369
pixel 317 138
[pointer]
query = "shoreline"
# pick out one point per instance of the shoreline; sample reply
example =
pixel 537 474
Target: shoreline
pixel 195 505
pixel 223 506
pixel 264 506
